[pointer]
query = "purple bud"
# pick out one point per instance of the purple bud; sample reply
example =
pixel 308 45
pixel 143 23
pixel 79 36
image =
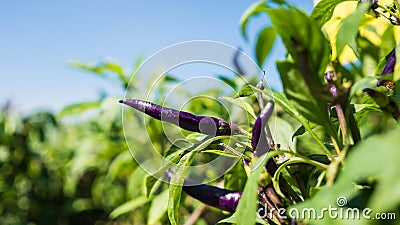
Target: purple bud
pixel 260 85
pixel 334 90
pixel 329 76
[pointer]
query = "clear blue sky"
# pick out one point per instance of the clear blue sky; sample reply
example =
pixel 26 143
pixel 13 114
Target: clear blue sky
pixel 38 38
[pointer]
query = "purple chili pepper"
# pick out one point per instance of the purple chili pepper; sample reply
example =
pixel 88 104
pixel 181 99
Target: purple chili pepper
pixel 219 198
pixel 202 124
pixel 389 67
pixel 258 141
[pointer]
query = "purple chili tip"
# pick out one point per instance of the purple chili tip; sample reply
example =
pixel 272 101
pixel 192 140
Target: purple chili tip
pixel 219 198
pixel 389 67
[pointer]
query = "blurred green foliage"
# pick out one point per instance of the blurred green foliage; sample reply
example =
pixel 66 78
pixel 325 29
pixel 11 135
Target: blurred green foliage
pixel 76 168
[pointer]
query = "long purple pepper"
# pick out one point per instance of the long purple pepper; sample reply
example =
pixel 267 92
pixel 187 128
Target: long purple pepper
pixel 188 121
pixel 260 146
pixel 258 140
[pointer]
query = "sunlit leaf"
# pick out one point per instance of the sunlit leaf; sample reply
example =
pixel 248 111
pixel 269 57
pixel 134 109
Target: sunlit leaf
pixel 304 41
pixel 349 29
pixel 253 10
pixel 242 104
pixel 128 206
pixel 323 11
pixel 301 98
pixel 246 212
pixel 78 108
pixel 158 207
pixel 175 188
pixel 246 90
pixel 384 196
pixel 265 41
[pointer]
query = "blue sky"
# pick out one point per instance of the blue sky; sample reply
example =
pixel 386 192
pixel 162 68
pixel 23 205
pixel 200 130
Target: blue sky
pixel 39 38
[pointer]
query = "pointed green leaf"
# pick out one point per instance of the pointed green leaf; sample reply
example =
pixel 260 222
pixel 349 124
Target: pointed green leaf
pixel 77 108
pixel 175 188
pixel 265 41
pixel 304 41
pixel 246 90
pixel 301 98
pixel 246 212
pixel 253 10
pixel 348 30
pixel 374 162
pixel 158 208
pixel 129 206
pixel 323 11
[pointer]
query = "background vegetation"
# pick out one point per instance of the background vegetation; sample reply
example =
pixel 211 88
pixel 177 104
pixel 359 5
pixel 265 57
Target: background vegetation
pixel 75 167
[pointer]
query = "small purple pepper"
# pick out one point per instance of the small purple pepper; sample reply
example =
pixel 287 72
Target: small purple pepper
pixel 219 198
pixel 258 140
pixel 389 68
pixel 201 124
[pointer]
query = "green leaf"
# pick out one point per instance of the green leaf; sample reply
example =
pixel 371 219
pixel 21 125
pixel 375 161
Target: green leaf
pixel 372 164
pixel 348 30
pixel 77 108
pixel 301 130
pixel 323 11
pixel 265 41
pixel 158 208
pixel 175 188
pixel 282 101
pixel 386 103
pixel 236 177
pixel 253 10
pixel 396 73
pixel 228 81
pixel 247 90
pixel 98 70
pixel 232 219
pixel 359 85
pixel 280 129
pixel 242 104
pixel 246 212
pixel 304 41
pixel 128 206
pixel 152 179
pixel 220 152
pixel 301 98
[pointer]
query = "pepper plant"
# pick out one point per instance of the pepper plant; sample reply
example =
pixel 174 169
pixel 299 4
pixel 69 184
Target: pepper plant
pixel 344 143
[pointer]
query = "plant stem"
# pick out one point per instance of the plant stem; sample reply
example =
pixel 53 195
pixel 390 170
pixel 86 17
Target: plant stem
pixel 271 207
pixel 342 123
pixel 195 215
